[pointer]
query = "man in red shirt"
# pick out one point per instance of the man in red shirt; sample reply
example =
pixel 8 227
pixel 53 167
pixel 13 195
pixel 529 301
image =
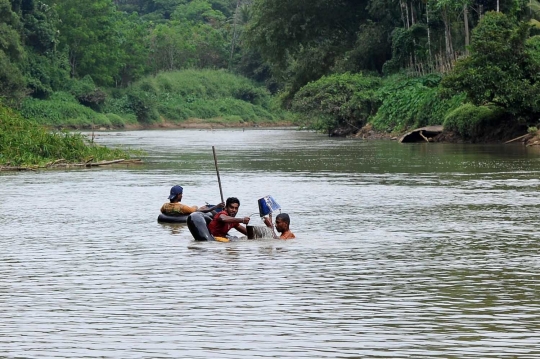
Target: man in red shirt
pixel 225 220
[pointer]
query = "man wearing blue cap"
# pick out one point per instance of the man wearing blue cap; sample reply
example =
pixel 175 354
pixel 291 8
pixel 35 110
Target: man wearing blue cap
pixel 175 208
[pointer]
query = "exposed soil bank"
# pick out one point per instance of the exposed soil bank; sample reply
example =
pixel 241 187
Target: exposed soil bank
pixel 501 135
pixel 197 123
pixel 491 135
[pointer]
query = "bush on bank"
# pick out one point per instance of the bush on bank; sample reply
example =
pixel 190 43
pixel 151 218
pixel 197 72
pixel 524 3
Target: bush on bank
pixel 25 143
pixel 174 96
pixel 62 109
pixel 411 103
pixel 469 121
pixel 394 104
pixel 204 94
pixel 337 101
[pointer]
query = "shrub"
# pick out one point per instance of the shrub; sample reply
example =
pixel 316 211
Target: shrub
pixel 115 120
pixel 144 105
pixel 338 100
pixel 62 109
pixel 411 103
pixel 469 120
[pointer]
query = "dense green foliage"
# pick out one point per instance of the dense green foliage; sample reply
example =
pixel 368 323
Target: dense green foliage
pixel 502 68
pixel 342 100
pixel 412 102
pixel 174 96
pixel 340 64
pixel 23 143
pixel 469 121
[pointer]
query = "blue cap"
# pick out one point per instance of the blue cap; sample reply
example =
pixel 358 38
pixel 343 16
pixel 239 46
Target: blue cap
pixel 176 190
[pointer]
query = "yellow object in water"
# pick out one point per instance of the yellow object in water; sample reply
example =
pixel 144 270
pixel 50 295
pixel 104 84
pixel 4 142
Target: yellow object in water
pixel 222 239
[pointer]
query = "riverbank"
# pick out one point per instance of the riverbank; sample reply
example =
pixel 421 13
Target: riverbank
pixel 198 123
pixel 27 145
pixel 192 123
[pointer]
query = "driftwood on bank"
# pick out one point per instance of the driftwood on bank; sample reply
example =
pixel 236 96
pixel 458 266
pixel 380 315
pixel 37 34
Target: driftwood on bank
pixel 421 134
pixel 517 138
pixel 62 163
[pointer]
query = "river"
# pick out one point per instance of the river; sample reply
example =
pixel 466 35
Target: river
pixel 402 251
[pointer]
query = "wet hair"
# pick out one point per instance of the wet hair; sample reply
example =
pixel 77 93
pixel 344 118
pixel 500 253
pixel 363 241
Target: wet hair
pixel 232 200
pixel 284 217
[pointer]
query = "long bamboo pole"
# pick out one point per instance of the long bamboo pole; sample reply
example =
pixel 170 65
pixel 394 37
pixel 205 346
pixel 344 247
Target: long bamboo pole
pixel 217 171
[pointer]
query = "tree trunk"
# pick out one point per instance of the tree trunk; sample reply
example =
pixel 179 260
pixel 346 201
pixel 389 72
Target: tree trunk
pixel 447 34
pixel 412 13
pixel 233 40
pixel 407 15
pixel 428 32
pixel 401 6
pixel 466 21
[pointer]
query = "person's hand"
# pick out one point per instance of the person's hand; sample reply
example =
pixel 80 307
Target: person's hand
pixel 245 220
pixel 268 222
pixel 222 205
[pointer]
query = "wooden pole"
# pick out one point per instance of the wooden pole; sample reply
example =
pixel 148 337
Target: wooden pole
pixel 217 171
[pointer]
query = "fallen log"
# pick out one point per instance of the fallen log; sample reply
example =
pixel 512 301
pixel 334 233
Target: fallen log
pixel 17 168
pixel 61 163
pixel 517 138
pixel 421 134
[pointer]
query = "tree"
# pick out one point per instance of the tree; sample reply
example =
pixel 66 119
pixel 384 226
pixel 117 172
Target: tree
pixel 134 48
pixel 11 52
pixel 170 48
pixel 340 101
pixel 501 69
pixel 310 36
pixel 89 31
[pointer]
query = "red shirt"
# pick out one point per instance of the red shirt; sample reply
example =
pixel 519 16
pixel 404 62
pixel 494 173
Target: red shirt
pixel 219 228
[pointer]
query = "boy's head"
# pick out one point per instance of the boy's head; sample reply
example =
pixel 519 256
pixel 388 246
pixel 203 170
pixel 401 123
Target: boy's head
pixel 231 206
pixel 176 193
pixel 282 222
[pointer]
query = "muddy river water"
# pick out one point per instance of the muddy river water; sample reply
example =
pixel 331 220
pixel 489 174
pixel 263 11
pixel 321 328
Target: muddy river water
pixel 402 251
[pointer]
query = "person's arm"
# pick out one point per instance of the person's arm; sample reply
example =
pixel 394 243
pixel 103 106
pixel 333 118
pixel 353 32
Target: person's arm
pixel 269 224
pixel 228 219
pixel 241 229
pixel 206 209
pixel 185 209
pixel 237 221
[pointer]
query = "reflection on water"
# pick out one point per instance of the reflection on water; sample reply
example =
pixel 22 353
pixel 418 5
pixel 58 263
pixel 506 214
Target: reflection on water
pixel 402 251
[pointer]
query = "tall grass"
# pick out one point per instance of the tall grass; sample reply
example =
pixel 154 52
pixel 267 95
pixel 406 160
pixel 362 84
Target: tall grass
pixel 62 109
pixel 173 96
pixel 24 143
pixel 206 94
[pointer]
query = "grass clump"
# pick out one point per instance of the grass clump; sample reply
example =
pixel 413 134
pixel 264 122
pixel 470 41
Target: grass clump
pixel 25 143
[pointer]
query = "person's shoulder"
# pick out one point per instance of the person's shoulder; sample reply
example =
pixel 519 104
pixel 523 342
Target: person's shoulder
pixel 287 235
pixel 167 206
pixel 219 214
